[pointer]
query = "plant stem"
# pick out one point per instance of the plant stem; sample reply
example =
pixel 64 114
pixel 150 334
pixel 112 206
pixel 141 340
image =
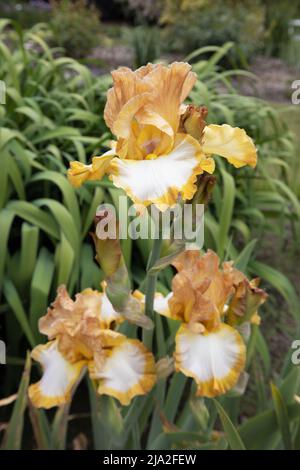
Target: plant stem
pixel 150 288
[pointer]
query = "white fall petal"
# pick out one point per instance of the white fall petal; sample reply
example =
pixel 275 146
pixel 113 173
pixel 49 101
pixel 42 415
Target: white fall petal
pixel 59 377
pixel 214 359
pixel 127 371
pixel 160 180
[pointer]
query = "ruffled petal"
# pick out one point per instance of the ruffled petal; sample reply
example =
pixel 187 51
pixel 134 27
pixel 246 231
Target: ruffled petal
pixel 96 304
pixel 230 142
pixel 59 377
pixel 128 94
pixel 214 359
pixel 200 287
pixel 160 180
pixel 127 371
pixel 171 85
pixel 79 173
pixel 90 312
pixel 122 124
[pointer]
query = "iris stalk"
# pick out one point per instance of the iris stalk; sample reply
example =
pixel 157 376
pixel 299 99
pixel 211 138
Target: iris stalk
pixel 151 279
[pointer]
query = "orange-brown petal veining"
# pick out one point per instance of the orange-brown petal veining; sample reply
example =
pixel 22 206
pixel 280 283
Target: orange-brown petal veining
pixel 190 303
pixel 200 268
pixel 79 325
pixel 171 86
pixel 152 95
pixel 129 93
pixel 60 316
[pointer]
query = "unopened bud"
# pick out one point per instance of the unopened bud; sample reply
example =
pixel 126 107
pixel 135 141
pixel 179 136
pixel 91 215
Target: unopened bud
pixel 205 186
pixel 192 121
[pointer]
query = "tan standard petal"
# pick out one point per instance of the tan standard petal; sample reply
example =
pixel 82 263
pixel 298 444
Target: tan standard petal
pixel 171 87
pixel 128 94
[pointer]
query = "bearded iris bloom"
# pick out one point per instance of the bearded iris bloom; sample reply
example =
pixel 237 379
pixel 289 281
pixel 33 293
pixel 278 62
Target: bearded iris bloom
pixel 211 304
pixel 82 337
pixel 161 145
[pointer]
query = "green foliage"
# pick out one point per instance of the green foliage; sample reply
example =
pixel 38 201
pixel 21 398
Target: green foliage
pixel 145 42
pixel 254 199
pixel 140 10
pixel 26 13
pixel 53 114
pixel 13 435
pixel 234 439
pixel 191 24
pixel 277 25
pixel 75 25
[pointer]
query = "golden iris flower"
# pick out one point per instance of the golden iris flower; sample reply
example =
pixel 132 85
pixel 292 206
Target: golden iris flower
pixel 82 337
pixel 162 145
pixel 203 298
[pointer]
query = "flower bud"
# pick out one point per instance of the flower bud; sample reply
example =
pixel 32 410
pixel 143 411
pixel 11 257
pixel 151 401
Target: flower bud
pixel 192 122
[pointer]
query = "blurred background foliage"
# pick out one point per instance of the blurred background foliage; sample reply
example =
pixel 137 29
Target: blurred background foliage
pixel 253 25
pixel 192 24
pixel 54 114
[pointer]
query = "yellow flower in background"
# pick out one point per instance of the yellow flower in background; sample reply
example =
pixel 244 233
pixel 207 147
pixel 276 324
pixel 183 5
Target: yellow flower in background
pixel 82 337
pixel 210 302
pixel 162 145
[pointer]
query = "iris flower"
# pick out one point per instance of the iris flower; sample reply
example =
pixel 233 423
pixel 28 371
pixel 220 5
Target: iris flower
pixel 82 337
pixel 211 304
pixel 161 144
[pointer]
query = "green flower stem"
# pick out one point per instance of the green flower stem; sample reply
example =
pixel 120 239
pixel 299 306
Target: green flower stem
pixel 150 288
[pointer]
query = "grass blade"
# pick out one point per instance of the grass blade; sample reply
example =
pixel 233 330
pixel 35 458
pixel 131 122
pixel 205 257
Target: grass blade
pixel 282 417
pixel 234 439
pixel 14 432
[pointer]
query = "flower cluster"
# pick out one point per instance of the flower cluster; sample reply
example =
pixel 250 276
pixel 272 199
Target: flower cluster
pixel 161 147
pixel 162 144
pixel 82 337
pixel 212 304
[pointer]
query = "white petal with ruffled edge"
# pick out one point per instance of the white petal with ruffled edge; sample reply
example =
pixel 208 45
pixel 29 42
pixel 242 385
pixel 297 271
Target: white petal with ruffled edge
pixel 129 370
pixel 214 359
pixel 161 179
pixel 58 379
